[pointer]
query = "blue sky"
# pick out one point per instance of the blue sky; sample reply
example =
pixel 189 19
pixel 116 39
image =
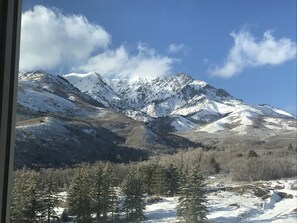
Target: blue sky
pixel 247 47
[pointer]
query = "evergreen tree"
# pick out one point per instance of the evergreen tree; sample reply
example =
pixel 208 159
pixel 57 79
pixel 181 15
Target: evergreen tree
pixel 24 205
pixel 98 187
pixel 147 171
pixel 133 191
pixel 103 193
pixel 158 182
pixel 64 216
pixel 79 198
pixel 191 204
pixel 114 206
pixel 172 177
pixel 48 199
pixel 110 197
pixel 214 165
pixel 252 154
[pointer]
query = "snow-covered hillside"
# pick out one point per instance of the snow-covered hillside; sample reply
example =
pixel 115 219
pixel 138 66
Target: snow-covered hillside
pixel 57 121
pixel 242 121
pixel 39 92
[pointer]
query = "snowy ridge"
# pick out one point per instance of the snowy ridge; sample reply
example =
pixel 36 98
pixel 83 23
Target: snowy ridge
pixel 159 97
pixel 187 103
pixel 198 105
pixel 36 92
pixel 94 85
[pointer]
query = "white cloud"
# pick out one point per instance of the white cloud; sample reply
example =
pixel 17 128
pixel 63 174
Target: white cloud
pixel 53 41
pixel 120 63
pixel 248 52
pixel 50 39
pixel 176 48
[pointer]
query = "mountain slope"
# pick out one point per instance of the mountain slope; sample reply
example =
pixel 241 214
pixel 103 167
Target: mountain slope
pixel 65 120
pixel 58 125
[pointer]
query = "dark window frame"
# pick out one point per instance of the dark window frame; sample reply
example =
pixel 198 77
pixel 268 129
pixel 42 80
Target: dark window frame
pixel 10 23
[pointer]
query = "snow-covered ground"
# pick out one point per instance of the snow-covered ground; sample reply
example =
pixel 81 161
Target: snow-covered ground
pixel 238 203
pixel 231 202
pixel 161 212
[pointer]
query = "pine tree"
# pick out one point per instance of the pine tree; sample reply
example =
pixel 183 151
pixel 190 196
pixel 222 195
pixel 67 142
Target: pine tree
pixel 79 198
pixel 24 206
pixel 64 216
pixel 147 171
pixel 191 206
pixel 109 196
pixel 158 183
pixel 98 185
pixel 214 165
pixel 103 192
pixel 172 177
pixel 47 190
pixel 114 205
pixel 133 191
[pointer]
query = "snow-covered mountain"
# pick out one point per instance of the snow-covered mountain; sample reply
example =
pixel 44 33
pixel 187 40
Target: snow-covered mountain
pixel 59 125
pixel 64 120
pixel 187 104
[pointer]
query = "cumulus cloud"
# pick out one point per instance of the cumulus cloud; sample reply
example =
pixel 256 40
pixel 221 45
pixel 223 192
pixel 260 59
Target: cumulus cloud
pixel 50 39
pixel 176 48
pixel 119 63
pixel 248 52
pixel 53 41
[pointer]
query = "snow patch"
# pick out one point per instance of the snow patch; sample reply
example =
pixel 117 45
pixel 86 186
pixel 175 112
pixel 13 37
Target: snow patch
pixel 161 212
pixel 213 127
pixel 42 101
pixel 271 201
pixel 182 124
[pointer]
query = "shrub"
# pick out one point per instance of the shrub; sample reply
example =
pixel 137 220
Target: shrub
pixel 254 169
pixel 252 153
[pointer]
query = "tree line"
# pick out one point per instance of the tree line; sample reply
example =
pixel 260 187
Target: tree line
pixel 106 190
pixel 98 193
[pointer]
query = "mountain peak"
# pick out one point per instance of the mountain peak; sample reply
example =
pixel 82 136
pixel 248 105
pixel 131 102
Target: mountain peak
pixel 164 96
pixel 183 76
